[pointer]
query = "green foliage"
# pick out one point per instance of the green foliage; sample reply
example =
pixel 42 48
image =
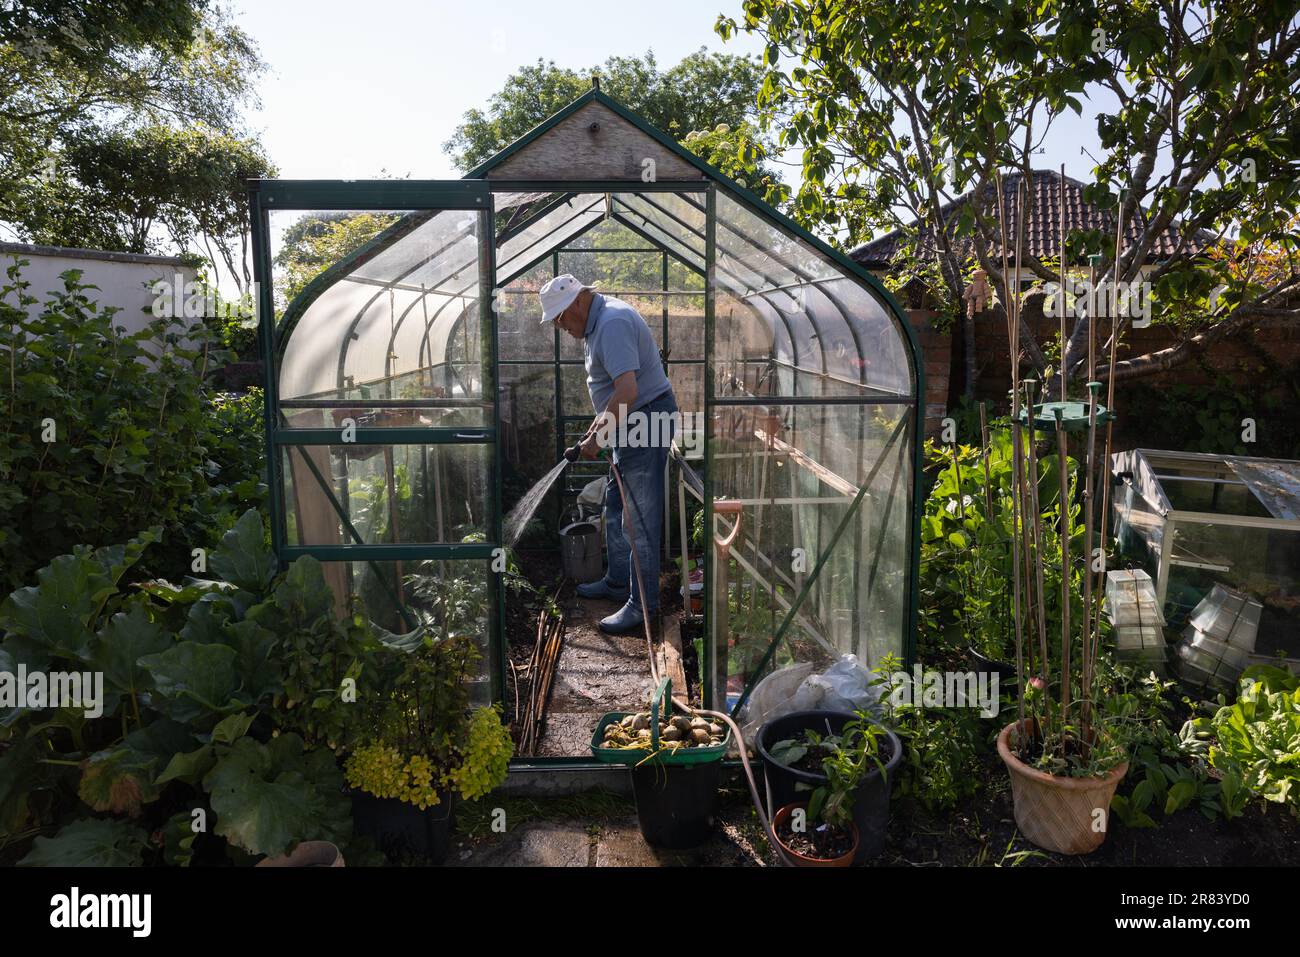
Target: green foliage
pixel 1256 741
pixel 966 557
pixel 89 843
pixel 220 696
pixel 846 758
pixel 1167 770
pixel 416 735
pixel 943 750
pixel 131 424
pixel 1198 418
pixel 76 77
pixel 126 189
pixel 486 757
pixel 899 108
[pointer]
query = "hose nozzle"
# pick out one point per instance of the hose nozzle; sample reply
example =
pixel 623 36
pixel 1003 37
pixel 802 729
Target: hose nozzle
pixel 571 454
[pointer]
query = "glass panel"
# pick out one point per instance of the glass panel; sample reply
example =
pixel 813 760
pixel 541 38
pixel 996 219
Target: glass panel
pixel 397 315
pixel 796 471
pixel 448 597
pixel 520 331
pixel 784 309
pixel 1220 498
pixel 548 232
pixel 386 494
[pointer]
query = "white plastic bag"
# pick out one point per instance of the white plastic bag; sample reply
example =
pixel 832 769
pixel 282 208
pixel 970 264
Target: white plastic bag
pixel 844 686
pixel 772 698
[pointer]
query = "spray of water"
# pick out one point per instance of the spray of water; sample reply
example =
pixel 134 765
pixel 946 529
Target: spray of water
pixel 522 513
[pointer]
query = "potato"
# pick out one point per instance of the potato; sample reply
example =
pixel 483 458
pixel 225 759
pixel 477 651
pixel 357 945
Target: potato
pixel 700 736
pixel 641 722
pixel 671 734
pixel 717 730
pixel 682 723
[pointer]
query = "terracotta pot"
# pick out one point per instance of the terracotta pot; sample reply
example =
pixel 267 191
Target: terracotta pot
pixel 1057 812
pixel 800 860
pixel 307 854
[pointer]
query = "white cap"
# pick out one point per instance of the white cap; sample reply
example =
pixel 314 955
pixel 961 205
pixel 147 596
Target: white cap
pixel 558 294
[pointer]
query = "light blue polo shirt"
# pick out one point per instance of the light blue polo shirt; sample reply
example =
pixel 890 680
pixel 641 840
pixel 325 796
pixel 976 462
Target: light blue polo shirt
pixel 617 341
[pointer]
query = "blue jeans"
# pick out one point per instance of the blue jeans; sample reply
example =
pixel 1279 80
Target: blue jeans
pixel 642 467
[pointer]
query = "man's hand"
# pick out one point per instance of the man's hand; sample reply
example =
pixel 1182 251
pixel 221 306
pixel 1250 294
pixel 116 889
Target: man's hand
pixel 589 448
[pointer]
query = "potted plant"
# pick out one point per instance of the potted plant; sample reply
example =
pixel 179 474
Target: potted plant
pixel 837 765
pixel 419 744
pixel 676 767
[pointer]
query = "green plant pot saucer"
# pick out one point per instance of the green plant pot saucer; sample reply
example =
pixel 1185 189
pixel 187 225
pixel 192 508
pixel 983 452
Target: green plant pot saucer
pixel 1073 416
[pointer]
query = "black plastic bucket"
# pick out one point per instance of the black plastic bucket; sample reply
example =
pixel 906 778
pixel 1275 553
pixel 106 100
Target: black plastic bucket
pixel 871 800
pixel 402 831
pixel 1006 671
pixel 675 804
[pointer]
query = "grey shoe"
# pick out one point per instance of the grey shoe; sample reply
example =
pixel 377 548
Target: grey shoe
pixel 626 619
pixel 602 589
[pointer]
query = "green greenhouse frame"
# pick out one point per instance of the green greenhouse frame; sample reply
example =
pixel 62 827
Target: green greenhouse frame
pixel 795 336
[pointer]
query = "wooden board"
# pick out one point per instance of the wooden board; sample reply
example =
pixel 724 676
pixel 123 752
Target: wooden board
pixel 614 149
pixel 670 657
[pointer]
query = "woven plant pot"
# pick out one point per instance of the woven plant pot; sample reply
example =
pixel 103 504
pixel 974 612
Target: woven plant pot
pixel 1056 812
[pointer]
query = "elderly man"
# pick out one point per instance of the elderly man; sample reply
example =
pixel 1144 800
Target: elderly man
pixel 635 413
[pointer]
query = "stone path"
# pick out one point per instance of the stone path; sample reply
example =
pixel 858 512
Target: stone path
pixel 611 844
pixel 596 673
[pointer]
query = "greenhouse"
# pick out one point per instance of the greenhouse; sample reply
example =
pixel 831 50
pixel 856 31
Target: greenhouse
pixel 1196 522
pixel 413 397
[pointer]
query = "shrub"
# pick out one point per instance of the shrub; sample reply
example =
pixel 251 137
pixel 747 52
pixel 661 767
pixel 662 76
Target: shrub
pixel 219 700
pixel 107 433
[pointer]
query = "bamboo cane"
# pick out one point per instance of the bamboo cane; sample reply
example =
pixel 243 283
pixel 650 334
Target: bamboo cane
pixel 1015 435
pixel 1110 404
pixel 1037 511
pixel 1088 654
pixel 1061 308
pixel 1063 471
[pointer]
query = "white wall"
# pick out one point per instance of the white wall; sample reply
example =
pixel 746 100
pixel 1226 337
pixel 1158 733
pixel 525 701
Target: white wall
pixel 123 279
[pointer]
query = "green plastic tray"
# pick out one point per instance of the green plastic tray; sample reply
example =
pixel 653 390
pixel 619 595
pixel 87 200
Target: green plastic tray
pixel 634 756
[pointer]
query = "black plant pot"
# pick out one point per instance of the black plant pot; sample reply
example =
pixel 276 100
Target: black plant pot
pixel 1006 671
pixel 870 800
pixel 675 804
pixel 402 831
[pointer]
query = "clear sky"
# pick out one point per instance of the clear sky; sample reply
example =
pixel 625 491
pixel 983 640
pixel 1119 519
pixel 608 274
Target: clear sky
pixel 357 88
pixel 360 87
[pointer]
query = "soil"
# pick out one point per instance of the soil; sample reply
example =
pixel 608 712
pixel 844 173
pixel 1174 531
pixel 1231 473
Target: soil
pixel 836 843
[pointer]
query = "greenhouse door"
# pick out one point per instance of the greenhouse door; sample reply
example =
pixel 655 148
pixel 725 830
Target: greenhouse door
pixel 382 409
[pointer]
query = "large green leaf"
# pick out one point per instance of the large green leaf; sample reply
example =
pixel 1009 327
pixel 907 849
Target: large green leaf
pixel 207 619
pixel 126 638
pixel 243 558
pixel 89 843
pixel 270 796
pixel 124 778
pixel 196 679
pixel 303 594
pixel 253 646
pixel 55 612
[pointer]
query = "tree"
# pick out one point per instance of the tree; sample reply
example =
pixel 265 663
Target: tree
pixel 703 94
pixel 900 107
pixel 77 77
